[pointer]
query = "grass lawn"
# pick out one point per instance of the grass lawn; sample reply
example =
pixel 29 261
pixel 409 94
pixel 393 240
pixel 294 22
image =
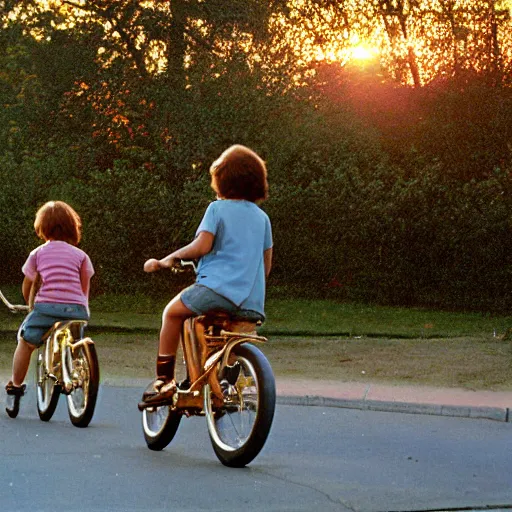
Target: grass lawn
pixel 320 340
pixel 472 363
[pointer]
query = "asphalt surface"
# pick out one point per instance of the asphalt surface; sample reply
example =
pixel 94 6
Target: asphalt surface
pixel 328 459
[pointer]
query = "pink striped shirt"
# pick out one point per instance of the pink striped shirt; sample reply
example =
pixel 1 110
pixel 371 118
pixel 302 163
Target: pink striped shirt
pixel 59 264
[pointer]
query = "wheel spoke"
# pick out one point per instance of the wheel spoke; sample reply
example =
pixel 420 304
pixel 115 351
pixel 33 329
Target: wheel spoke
pixel 154 419
pixel 159 425
pixel 239 428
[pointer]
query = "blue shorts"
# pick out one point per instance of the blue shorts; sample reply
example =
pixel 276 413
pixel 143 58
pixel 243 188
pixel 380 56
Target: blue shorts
pixel 44 315
pixel 200 299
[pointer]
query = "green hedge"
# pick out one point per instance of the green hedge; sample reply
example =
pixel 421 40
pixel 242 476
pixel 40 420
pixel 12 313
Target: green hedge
pixel 340 230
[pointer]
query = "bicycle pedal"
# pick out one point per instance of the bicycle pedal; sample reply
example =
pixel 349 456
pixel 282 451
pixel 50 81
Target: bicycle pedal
pixel 154 404
pixel 12 390
pixel 162 395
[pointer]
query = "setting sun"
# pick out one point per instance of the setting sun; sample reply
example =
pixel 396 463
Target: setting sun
pixel 363 52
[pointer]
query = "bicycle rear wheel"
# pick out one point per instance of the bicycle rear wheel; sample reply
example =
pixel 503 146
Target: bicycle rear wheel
pixel 239 429
pixel 48 391
pixel 81 370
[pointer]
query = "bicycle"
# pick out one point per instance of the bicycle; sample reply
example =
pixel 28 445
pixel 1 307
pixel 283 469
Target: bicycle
pixel 223 376
pixel 67 363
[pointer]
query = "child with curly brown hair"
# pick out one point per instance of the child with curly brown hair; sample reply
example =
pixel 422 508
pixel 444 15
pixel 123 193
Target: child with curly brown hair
pixel 234 246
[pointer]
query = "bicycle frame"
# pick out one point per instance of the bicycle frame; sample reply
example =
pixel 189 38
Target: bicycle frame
pixel 206 341
pixel 58 339
pixel 228 380
pixel 66 363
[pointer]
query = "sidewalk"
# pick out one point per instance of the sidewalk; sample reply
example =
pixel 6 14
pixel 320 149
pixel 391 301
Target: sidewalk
pixel 494 405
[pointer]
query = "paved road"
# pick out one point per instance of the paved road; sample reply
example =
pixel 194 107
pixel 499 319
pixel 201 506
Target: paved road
pixel 324 459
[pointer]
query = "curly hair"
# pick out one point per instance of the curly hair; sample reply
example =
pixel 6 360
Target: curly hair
pixel 239 173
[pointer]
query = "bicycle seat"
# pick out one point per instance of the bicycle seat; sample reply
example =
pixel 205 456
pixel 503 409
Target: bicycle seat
pixel 247 315
pixel 243 320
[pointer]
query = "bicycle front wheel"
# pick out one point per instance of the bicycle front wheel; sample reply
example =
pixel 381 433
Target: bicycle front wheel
pixel 82 374
pixel 160 424
pixel 239 429
pixel 48 391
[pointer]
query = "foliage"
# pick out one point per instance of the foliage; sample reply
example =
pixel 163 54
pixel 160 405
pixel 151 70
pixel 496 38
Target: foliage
pixel 418 41
pixel 379 193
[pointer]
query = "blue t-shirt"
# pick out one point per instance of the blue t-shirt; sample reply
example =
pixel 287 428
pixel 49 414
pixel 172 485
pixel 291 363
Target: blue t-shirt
pixel 234 268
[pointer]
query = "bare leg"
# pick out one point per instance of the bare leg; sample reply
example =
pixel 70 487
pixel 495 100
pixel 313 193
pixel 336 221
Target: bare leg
pixel 21 361
pixel 173 317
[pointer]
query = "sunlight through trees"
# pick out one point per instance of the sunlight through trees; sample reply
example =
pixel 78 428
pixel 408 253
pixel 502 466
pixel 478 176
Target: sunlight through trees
pixel 385 125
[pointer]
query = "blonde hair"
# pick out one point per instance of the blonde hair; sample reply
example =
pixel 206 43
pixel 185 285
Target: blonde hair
pixel 239 173
pixel 56 220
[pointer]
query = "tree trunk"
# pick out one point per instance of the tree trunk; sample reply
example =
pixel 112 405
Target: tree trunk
pixel 388 9
pixel 177 46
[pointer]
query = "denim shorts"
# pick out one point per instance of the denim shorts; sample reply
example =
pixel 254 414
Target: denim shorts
pixel 200 299
pixel 44 315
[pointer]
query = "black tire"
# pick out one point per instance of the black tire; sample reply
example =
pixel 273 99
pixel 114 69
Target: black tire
pixel 159 425
pixel 81 367
pixel 252 396
pixel 48 391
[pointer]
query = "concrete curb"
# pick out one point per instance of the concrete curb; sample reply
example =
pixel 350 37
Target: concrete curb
pixel 503 414
pixel 491 413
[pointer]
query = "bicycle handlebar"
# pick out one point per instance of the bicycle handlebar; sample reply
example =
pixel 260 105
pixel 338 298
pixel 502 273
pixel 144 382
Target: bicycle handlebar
pixel 182 266
pixel 13 308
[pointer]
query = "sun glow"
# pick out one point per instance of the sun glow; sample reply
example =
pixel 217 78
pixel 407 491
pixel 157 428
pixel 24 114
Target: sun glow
pixel 413 42
pixel 363 52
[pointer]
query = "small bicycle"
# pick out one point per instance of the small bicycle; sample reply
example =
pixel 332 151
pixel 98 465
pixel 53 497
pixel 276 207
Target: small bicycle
pixel 67 363
pixel 220 374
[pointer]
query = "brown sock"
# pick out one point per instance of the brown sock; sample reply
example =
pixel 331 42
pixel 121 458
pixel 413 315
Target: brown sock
pixel 165 367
